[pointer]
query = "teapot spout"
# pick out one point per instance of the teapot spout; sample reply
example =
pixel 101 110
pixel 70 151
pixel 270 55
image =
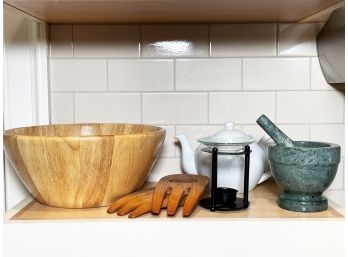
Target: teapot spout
pixel 188 156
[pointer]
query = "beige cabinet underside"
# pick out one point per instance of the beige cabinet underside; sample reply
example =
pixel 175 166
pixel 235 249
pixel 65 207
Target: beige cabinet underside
pixel 176 11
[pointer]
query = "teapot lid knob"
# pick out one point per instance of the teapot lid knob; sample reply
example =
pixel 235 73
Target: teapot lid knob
pixel 229 125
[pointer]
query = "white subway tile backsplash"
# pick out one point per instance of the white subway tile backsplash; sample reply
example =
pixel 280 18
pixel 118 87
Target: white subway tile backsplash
pixel 194 132
pixel 106 41
pixel 239 40
pixel 164 167
pixel 254 130
pixel 276 74
pixel 310 107
pixel 295 132
pixel 62 108
pixel 191 79
pixel 108 107
pixel 61 45
pixel 175 41
pixel 332 133
pixel 78 75
pixel 298 39
pixel 240 107
pixel 175 108
pixel 141 75
pixel 208 74
pixel 168 147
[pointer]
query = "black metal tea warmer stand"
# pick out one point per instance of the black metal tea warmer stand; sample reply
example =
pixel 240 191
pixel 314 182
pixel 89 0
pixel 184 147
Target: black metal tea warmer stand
pixel 223 198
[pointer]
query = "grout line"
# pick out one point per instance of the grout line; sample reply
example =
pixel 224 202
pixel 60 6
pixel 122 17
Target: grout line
pixel 49 107
pixel 237 124
pixel 174 75
pixel 141 107
pixel 49 86
pixel 310 74
pixel 74 118
pixel 175 151
pixel 276 107
pixel 200 91
pixel 107 76
pixel 242 75
pixel 195 57
pixel 310 131
pixel 208 105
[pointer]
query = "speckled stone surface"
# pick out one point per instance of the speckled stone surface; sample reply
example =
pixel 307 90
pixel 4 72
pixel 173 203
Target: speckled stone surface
pixel 302 202
pixel 274 132
pixel 304 172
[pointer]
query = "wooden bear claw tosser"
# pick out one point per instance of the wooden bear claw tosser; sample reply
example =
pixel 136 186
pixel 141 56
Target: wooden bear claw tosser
pixel 170 192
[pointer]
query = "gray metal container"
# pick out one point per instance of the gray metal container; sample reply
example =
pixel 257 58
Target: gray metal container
pixel 330 45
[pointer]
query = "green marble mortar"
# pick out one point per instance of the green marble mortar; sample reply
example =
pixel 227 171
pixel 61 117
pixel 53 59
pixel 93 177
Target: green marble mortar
pixel 304 172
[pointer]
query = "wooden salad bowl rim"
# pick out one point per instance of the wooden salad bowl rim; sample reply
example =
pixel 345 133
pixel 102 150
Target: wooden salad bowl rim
pixel 16 131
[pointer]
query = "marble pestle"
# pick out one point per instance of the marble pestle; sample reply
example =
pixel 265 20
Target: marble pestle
pixel 274 132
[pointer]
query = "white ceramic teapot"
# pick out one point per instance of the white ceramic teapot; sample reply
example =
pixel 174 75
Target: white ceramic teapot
pixel 230 167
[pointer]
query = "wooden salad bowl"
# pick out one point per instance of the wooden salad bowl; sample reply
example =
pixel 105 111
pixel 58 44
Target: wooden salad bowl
pixel 83 165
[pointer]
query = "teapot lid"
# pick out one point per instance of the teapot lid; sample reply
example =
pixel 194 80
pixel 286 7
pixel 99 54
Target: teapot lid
pixel 228 136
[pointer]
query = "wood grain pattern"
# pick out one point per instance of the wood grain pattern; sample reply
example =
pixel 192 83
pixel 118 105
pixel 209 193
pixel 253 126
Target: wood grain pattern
pixel 263 204
pixel 170 11
pixel 134 204
pixel 137 204
pixel 83 165
pixel 175 188
pixel 171 192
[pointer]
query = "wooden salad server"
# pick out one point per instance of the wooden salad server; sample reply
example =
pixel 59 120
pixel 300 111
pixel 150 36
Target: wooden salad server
pixel 175 188
pixel 171 192
pixel 136 204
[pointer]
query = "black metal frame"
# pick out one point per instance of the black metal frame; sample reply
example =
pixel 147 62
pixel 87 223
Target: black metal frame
pixel 212 202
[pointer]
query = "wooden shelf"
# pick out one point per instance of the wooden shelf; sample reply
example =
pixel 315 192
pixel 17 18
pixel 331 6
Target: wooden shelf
pixel 174 11
pixel 262 205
